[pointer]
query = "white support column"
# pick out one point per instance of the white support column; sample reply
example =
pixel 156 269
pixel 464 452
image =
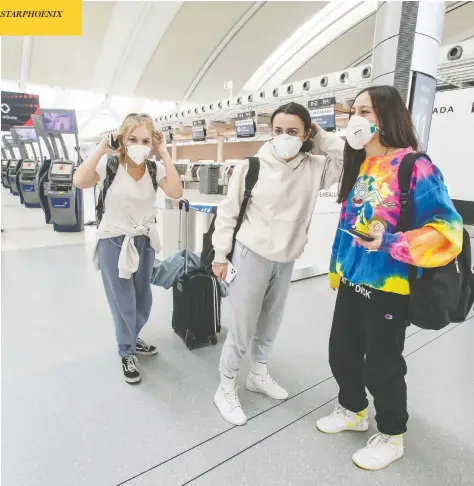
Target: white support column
pixel 406 55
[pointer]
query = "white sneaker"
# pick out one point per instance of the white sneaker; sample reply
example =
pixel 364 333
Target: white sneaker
pixel 267 385
pixel 342 419
pixel 228 404
pixel 380 451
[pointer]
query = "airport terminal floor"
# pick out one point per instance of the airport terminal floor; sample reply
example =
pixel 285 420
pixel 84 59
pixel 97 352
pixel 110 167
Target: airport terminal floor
pixel 70 419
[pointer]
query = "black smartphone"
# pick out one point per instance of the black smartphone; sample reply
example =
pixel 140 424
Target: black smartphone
pixel 113 144
pixel 358 234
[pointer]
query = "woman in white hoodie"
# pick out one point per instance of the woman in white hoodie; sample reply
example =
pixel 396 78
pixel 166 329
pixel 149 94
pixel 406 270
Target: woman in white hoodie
pixel 273 235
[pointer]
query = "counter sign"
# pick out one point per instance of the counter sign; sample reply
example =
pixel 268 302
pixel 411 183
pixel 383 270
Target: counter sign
pixel 323 113
pixel 245 125
pixel 199 130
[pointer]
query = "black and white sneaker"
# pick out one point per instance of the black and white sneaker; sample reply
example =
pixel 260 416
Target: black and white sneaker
pixel 145 349
pixel 130 370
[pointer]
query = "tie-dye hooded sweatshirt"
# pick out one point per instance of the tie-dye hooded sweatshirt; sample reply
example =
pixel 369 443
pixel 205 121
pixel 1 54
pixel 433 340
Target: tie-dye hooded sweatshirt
pixel 373 206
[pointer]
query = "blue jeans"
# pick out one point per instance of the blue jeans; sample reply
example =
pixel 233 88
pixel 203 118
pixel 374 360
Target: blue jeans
pixel 130 300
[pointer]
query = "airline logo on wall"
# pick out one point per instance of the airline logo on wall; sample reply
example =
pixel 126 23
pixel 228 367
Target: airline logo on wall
pixel 17 109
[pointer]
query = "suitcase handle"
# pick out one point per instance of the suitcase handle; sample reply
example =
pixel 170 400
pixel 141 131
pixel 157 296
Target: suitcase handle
pixel 184 203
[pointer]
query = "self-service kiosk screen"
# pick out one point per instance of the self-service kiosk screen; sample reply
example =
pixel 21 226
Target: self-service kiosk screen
pixel 59 121
pixel 26 134
pixel 13 164
pixel 4 163
pixel 61 169
pixel 28 166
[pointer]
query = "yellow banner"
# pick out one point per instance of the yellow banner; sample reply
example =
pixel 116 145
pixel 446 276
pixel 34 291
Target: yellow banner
pixel 41 17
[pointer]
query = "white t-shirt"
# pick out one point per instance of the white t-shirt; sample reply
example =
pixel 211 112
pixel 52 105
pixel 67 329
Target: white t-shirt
pixel 130 210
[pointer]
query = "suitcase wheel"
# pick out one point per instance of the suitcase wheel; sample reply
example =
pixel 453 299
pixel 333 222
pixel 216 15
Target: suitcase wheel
pixel 191 341
pixel 214 340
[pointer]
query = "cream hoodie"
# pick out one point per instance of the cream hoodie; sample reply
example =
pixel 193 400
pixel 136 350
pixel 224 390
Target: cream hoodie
pixel 279 212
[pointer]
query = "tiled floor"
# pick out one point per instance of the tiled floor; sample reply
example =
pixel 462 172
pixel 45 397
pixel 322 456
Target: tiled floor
pixel 68 419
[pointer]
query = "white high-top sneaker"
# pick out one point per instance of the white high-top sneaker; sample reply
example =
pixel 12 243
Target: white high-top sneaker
pixel 343 419
pixel 228 404
pixel 260 381
pixel 380 451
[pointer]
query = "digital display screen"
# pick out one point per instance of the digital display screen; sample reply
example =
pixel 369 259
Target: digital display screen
pixel 26 134
pixel 245 128
pixel 4 163
pixel 28 166
pixel 13 164
pixel 60 121
pixel 199 134
pixel 61 169
pixel 168 136
pixel 323 112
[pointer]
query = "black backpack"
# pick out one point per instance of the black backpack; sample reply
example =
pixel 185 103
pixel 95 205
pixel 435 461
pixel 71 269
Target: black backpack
pixel 111 172
pixel 207 254
pixel 441 295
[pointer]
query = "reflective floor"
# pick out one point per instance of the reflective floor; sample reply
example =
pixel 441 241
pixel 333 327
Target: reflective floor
pixel 69 419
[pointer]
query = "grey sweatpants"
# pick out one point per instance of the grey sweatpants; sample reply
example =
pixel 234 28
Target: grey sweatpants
pixel 257 298
pixel 130 300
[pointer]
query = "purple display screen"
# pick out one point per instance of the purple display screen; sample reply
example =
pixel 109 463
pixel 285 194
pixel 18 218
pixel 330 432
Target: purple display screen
pixel 57 122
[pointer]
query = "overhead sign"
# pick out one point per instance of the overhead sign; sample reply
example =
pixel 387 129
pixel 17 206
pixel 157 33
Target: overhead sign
pixel 422 96
pixel 245 125
pixel 199 130
pixel 17 109
pixel 323 112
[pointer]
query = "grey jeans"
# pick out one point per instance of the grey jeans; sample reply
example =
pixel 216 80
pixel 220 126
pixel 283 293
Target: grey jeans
pixel 257 298
pixel 130 300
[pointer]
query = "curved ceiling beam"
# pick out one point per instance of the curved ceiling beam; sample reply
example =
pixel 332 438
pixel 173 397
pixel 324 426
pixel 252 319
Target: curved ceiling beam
pixel 25 66
pixel 123 58
pixel 218 50
pixel 323 28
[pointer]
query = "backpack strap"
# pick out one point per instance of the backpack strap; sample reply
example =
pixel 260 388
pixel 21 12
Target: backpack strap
pixel 110 173
pixel 405 174
pixel 250 180
pixel 153 171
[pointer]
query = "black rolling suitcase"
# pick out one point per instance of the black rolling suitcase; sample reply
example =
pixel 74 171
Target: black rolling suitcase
pixel 196 301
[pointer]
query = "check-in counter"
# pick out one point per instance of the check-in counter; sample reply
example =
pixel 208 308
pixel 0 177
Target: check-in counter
pixel 313 262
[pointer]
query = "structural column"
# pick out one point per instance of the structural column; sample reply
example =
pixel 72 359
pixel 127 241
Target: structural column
pixel 406 55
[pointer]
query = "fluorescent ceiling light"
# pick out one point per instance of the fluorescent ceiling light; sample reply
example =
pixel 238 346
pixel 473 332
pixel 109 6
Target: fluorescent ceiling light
pixel 323 28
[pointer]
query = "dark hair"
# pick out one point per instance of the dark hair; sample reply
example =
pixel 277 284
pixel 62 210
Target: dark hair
pixel 396 131
pixel 303 114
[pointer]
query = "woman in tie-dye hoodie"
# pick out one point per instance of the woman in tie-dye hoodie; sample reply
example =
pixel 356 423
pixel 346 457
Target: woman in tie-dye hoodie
pixel 370 318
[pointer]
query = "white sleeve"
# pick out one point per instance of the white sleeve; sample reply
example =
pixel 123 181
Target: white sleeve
pixel 101 168
pixel 160 172
pixel 228 213
pixel 333 146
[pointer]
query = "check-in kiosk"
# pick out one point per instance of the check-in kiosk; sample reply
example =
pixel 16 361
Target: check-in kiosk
pixel 43 188
pixel 65 200
pixel 5 164
pixel 43 171
pixel 12 173
pixel 29 184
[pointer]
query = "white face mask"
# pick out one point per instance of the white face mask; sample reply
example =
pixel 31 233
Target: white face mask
pixel 359 132
pixel 287 146
pixel 138 153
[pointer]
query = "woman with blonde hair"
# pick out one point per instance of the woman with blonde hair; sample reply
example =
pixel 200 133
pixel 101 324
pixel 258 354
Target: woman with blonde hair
pixel 127 237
